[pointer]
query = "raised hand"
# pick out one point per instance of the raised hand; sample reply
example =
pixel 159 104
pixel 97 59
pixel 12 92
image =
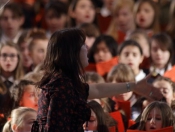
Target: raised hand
pixel 147 90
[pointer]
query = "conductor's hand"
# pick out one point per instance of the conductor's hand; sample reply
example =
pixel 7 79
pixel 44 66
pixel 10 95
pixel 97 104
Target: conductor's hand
pixel 145 89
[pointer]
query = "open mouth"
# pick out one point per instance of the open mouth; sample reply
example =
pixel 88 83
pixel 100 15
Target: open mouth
pixel 152 127
pixel 87 16
pixel 100 60
pixel 130 64
pixel 8 65
pixel 142 20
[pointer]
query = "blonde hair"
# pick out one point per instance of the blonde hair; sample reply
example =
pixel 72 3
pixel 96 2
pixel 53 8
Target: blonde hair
pixel 7 127
pixel 17 118
pixel 117 6
pixel 139 32
pixel 18 72
pixel 168 118
pixel 34 76
pixel 94 77
pixel 121 73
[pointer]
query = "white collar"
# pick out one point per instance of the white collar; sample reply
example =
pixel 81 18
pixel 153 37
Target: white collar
pixel 5 38
pixel 132 100
pixel 160 71
pixel 48 34
pixel 105 12
pixel 11 79
pixel 140 76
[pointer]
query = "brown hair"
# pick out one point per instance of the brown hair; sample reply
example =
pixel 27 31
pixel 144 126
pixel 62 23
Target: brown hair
pixel 155 25
pixel 36 34
pixel 63 55
pixel 18 72
pixel 101 116
pixel 15 8
pixel 166 114
pixel 3 88
pixel 24 37
pixel 165 43
pixel 90 29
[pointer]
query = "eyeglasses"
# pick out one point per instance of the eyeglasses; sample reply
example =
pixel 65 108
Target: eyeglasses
pixel 11 56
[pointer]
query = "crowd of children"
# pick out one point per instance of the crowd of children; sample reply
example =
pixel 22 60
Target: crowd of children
pixel 126 41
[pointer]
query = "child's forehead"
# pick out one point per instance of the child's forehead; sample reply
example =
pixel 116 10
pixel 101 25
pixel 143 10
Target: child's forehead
pixel 155 111
pixel 40 40
pixel 162 83
pixel 30 87
pixel 102 43
pixel 145 3
pixel 84 2
pixel 8 48
pixel 9 11
pixel 130 47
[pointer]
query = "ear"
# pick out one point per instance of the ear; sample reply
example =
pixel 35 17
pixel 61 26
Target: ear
pixel 30 54
pixel 14 127
pixel 71 13
pixel 141 59
pixel 21 20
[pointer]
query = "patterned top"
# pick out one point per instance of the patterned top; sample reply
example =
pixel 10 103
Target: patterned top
pixel 61 108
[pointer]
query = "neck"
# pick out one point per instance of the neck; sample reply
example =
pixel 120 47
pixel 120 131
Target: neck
pixel 148 31
pixel 78 23
pixel 136 71
pixel 133 27
pixel 11 35
pixel 159 66
pixel 130 29
pixel 7 74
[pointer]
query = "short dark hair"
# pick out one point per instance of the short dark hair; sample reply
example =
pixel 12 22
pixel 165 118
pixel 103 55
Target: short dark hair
pixel 15 8
pixel 110 43
pixel 57 7
pixel 129 43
